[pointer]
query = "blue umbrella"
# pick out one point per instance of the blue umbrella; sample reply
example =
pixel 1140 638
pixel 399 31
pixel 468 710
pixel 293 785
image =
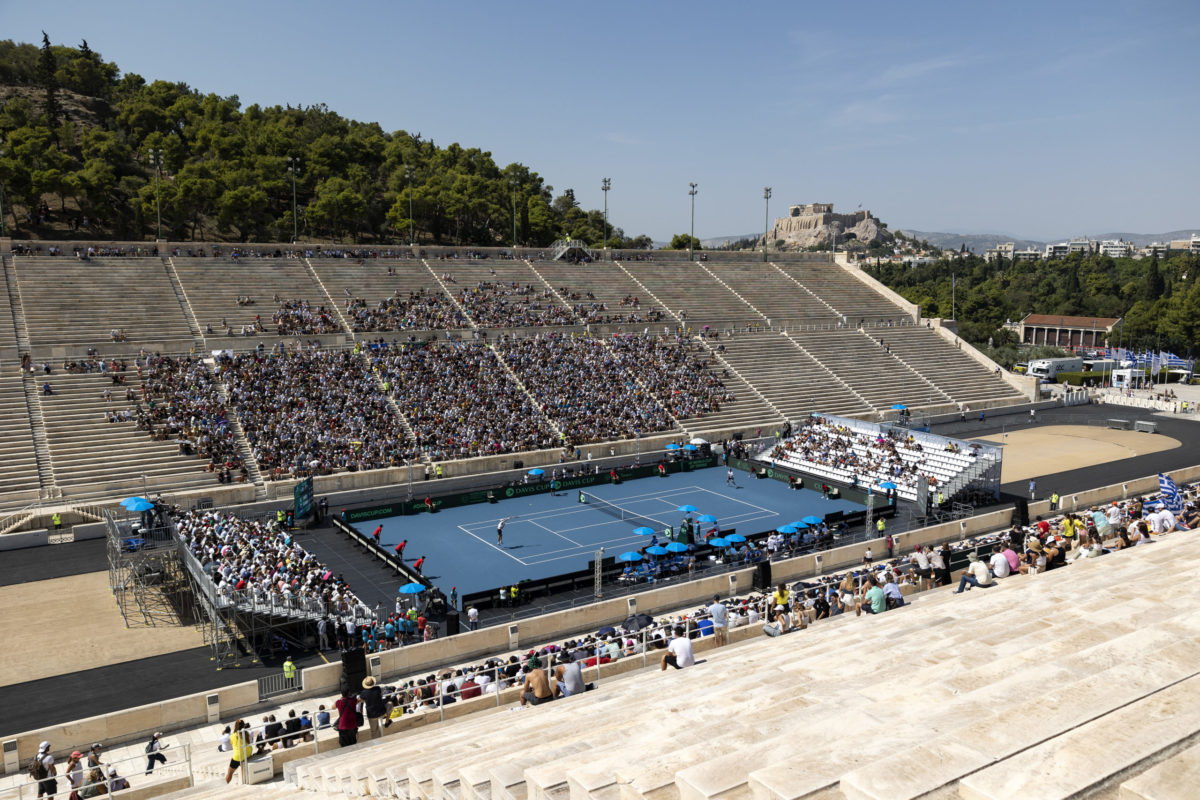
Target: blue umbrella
pixel 899 407
pixel 688 509
pixel 676 547
pixel 139 504
pixel 887 485
pixel 672 446
pixel 797 524
pixel 411 588
pixel 657 550
pixel 644 531
pixel 789 529
pixel 537 472
pixel 630 556
pixel 811 520
pixel 735 538
pixel 690 447
pixel 129 500
pixel 717 541
pixel 706 518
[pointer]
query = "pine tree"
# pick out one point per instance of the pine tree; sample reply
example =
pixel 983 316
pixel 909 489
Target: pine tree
pixel 47 67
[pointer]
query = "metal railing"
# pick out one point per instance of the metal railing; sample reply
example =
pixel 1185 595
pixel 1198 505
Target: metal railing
pixel 273 685
pixel 175 763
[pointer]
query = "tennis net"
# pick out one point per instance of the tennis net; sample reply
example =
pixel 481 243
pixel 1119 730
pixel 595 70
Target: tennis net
pixel 621 513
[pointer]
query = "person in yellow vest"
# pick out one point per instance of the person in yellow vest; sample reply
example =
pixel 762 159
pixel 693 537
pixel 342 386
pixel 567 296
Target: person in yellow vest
pixel 289 671
pixel 57 520
pixel 438 471
pixel 1054 501
pixel 880 525
pixel 512 592
pixel 941 499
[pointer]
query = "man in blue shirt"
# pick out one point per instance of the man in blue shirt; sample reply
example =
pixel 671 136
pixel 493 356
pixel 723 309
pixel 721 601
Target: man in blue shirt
pixel 720 621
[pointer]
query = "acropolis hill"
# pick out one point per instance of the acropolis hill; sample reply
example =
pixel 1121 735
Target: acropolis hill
pixel 817 224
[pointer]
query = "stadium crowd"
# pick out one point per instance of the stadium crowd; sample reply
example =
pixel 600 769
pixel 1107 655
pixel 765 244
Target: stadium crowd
pixel 865 458
pixel 260 562
pixel 591 311
pixel 300 318
pixel 616 402
pixel 420 310
pixel 182 401
pixel 459 400
pixel 314 412
pixel 509 305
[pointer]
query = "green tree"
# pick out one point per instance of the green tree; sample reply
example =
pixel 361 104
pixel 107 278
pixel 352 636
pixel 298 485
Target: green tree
pixel 680 242
pixel 47 69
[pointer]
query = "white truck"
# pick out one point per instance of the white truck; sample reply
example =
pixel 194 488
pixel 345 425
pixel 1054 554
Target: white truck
pixel 1048 368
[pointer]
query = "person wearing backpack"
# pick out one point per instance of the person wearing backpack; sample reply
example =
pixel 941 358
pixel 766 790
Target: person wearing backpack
pixel 42 770
pixel 153 752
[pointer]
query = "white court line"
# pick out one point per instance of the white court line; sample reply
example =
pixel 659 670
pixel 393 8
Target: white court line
pixel 556 533
pixel 494 547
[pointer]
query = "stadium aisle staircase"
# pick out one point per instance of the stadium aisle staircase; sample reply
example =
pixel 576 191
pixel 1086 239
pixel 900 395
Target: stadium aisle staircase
pixel 958 375
pixel 793 381
pixel 68 301
pixel 879 377
pixel 774 295
pixel 850 297
pixel 689 290
pixel 95 458
pixel 606 281
pixel 213 286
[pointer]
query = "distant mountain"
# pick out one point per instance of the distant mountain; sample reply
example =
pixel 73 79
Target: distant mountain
pixel 721 241
pixel 975 242
pixel 979 242
pixel 1143 239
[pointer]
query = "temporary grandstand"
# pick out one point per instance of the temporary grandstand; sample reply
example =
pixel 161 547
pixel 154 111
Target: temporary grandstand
pixel 800 334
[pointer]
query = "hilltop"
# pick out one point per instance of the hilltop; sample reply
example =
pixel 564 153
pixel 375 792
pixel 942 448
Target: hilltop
pixel 84 144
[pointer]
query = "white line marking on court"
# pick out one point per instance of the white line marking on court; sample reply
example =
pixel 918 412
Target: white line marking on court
pixel 556 533
pixel 493 546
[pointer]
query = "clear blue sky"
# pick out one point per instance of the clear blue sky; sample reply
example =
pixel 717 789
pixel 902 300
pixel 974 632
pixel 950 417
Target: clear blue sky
pixel 1039 119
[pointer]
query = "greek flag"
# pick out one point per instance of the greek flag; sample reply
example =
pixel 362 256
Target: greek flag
pixel 1170 494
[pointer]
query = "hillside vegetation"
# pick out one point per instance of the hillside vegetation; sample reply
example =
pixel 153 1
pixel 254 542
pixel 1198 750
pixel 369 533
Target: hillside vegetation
pixel 77 159
pixel 1159 301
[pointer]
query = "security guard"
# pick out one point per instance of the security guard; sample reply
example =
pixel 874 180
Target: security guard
pixel 880 525
pixel 57 520
pixel 1054 501
pixel 289 671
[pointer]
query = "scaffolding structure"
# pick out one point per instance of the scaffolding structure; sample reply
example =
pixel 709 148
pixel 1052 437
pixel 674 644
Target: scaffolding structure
pixel 239 630
pixel 145 574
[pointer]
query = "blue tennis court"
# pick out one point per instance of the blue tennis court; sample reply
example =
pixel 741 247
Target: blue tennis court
pixel 548 535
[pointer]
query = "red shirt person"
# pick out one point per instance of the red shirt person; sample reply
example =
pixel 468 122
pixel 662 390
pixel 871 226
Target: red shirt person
pixel 418 564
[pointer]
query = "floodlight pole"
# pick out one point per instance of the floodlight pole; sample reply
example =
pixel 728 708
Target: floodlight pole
pixel 294 167
pixel 766 219
pixel 412 223
pixel 3 232
pixel 605 185
pixel 513 187
pixel 692 235
pixel 156 156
